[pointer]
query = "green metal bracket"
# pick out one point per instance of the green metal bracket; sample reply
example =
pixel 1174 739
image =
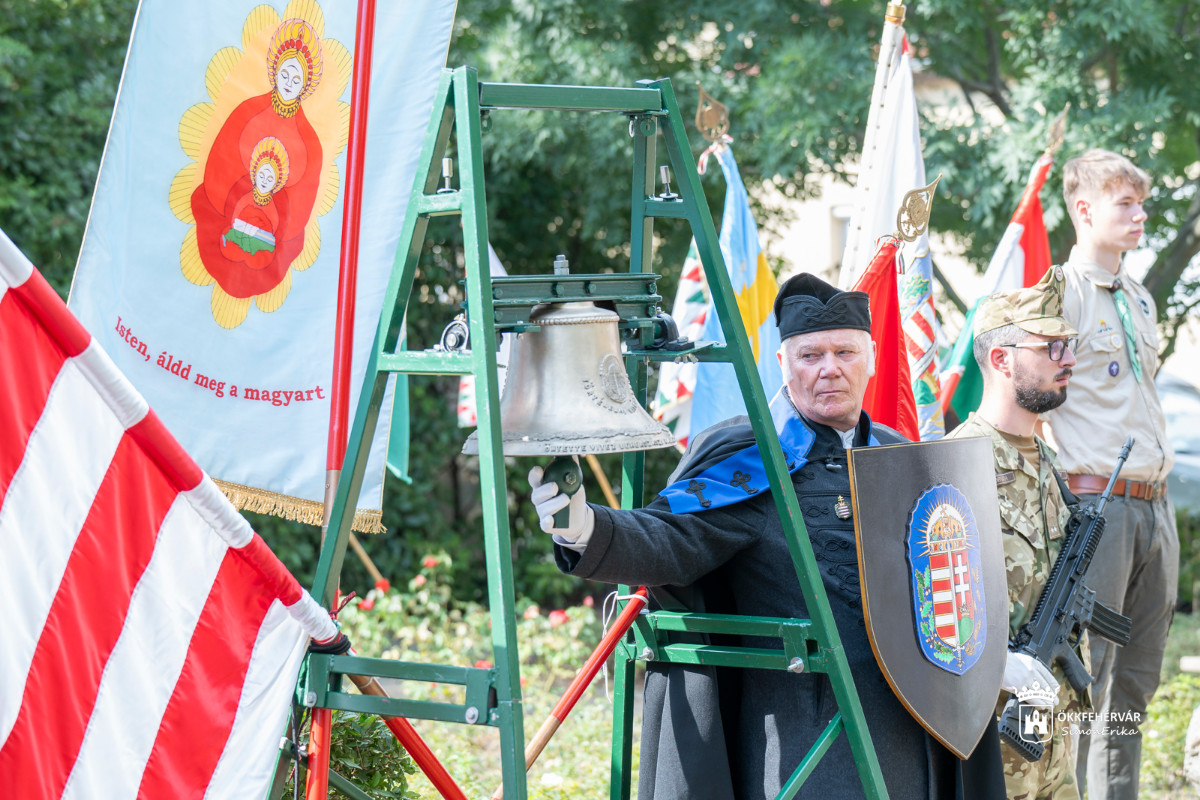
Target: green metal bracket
pixel 324 690
pixel 463 109
pixel 800 651
pixel 634 298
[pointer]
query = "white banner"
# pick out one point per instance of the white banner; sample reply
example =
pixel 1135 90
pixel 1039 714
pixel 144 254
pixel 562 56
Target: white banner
pixel 209 269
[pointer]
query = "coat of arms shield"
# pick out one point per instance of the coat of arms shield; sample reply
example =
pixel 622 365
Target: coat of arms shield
pixel 934 589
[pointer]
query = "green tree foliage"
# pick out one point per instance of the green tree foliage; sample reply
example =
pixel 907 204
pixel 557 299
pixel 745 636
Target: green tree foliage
pixel 796 78
pixel 1127 69
pixel 60 63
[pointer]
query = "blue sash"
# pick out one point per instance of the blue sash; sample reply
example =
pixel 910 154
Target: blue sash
pixel 743 474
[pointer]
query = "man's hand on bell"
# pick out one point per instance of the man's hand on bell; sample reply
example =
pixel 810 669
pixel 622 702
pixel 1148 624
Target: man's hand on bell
pixel 548 500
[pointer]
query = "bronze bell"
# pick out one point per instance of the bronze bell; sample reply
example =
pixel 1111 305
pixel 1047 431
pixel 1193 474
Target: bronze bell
pixel 567 392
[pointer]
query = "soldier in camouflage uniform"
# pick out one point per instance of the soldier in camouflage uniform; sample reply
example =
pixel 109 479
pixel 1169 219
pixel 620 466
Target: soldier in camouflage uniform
pixel 1023 346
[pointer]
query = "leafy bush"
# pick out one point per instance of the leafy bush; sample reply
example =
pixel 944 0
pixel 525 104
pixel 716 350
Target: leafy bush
pixel 422 622
pixel 1189 559
pixel 426 623
pixel 364 751
pixel 1163 733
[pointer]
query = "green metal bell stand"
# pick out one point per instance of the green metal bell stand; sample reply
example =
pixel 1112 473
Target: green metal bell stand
pixel 492 697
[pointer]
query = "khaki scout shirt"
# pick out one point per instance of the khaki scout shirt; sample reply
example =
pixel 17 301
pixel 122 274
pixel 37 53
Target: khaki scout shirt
pixel 1033 519
pixel 1105 403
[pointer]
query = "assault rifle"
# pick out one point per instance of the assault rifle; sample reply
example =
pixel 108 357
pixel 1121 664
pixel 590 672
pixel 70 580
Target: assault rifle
pixel 1066 608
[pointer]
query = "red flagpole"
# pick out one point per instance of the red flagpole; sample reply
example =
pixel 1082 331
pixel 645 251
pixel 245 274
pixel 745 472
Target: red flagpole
pixel 343 341
pixel 343 347
pixel 343 352
pixel 317 787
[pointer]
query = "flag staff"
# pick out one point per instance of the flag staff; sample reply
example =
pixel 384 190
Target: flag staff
pixel 712 120
pixel 889 51
pixel 343 340
pixel 712 117
pixel 1057 132
pixel 318 750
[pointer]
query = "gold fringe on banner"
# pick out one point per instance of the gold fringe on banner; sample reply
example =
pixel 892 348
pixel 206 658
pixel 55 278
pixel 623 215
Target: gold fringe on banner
pixel 310 512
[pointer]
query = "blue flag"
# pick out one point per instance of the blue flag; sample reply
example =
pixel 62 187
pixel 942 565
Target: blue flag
pixel 717 396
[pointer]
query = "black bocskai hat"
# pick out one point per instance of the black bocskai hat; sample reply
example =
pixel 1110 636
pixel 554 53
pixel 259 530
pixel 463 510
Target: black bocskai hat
pixel 806 304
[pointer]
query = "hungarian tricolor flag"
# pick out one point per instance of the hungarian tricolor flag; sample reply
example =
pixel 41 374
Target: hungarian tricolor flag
pixel 889 396
pixel 1019 262
pixel 151 639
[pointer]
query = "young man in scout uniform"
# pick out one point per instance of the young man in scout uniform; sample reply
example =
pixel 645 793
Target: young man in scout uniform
pixel 1136 568
pixel 1025 351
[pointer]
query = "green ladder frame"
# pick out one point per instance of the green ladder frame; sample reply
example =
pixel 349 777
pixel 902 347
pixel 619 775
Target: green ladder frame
pixel 493 696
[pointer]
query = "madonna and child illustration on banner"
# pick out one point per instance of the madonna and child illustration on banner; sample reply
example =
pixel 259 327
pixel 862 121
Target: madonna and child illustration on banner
pixel 264 170
pixel 210 263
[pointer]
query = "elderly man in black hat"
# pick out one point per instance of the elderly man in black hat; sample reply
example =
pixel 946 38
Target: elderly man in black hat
pixel 740 733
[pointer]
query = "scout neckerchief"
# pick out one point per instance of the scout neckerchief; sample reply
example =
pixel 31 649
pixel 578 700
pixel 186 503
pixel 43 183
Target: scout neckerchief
pixel 1118 293
pixel 743 474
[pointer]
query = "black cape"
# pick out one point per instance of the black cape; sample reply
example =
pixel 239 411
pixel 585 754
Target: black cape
pixel 725 733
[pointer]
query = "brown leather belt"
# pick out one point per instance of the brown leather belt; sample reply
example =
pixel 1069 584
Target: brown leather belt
pixel 1138 490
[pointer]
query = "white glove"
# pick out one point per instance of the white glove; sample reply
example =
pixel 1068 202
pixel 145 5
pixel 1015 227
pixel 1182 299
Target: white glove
pixel 1023 674
pixel 547 500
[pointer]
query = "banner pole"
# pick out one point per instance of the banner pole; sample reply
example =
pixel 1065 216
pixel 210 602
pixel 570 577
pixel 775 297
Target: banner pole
pixel 343 343
pixel 889 50
pixel 317 786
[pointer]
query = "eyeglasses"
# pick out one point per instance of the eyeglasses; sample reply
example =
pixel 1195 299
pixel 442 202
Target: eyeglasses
pixel 1056 348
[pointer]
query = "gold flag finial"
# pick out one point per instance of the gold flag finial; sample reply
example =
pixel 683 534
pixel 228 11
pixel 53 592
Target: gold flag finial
pixel 895 13
pixel 913 217
pixel 1058 130
pixel 712 118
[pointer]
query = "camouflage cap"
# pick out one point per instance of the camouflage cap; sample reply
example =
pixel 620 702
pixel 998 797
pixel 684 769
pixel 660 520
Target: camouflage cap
pixel 1037 309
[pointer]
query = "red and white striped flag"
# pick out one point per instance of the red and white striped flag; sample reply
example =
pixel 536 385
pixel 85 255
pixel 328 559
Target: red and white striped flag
pixel 151 639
